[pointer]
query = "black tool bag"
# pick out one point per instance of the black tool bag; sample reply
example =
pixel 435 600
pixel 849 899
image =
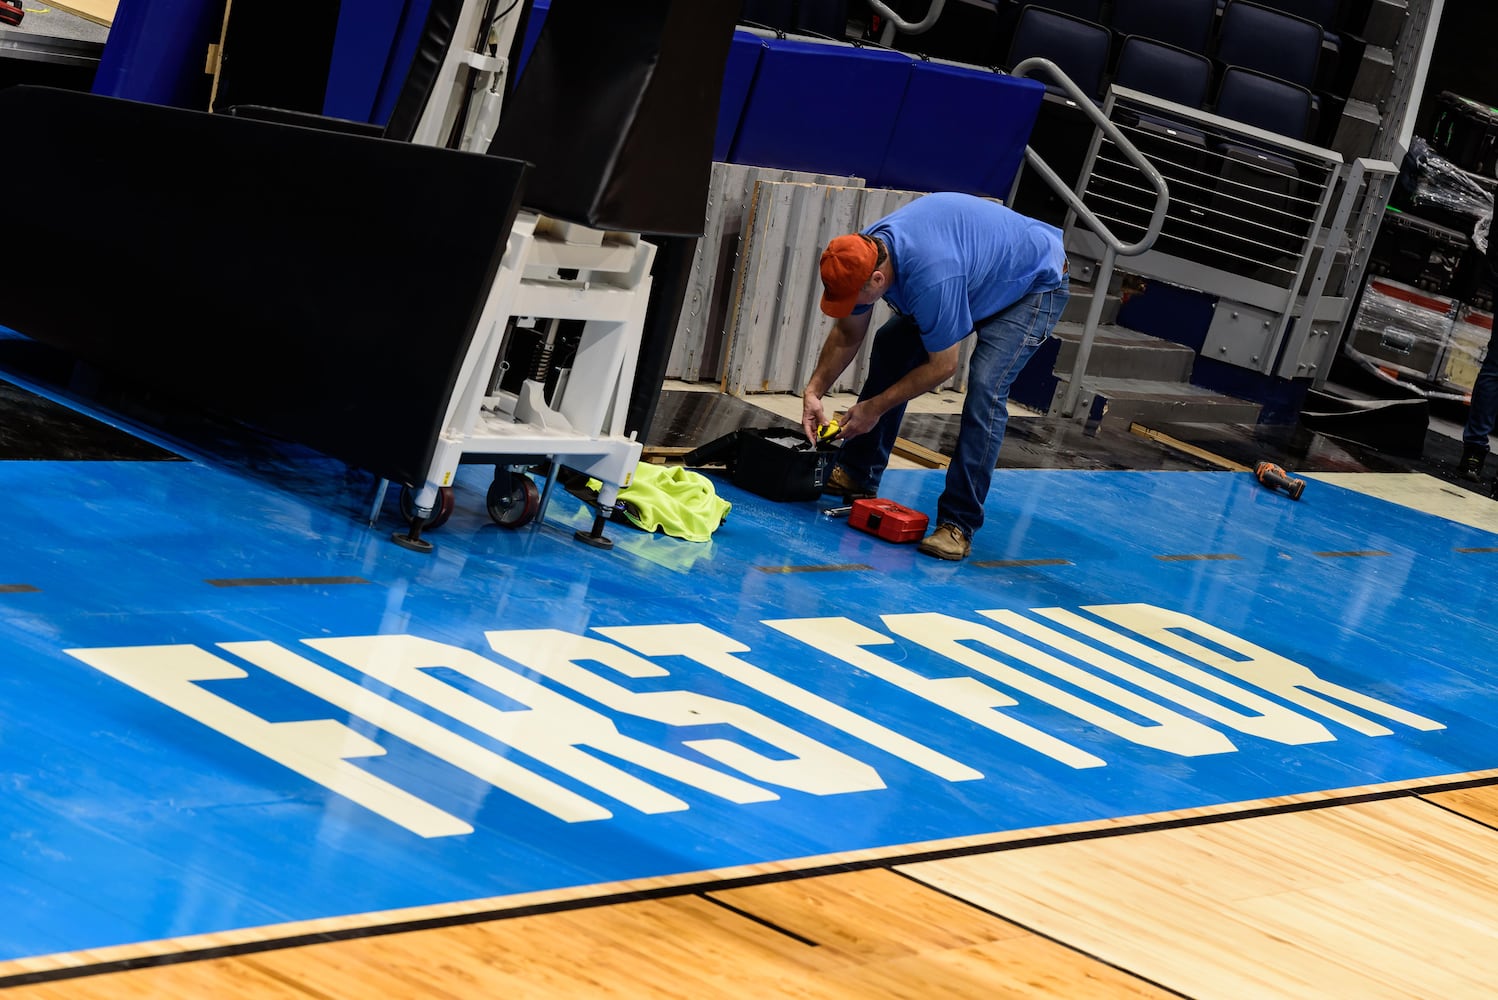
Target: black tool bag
pixel 11 12
pixel 774 462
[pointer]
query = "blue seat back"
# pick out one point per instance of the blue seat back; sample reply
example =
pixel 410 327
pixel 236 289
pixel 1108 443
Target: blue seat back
pixel 960 129
pixel 1326 13
pixel 1186 24
pixel 1087 10
pixel 1264 102
pixel 824 107
pixel 1164 71
pixel 1269 41
pixel 823 17
pixel 1078 47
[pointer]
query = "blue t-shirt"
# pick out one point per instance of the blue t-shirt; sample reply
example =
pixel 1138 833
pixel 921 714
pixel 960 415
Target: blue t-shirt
pixel 959 259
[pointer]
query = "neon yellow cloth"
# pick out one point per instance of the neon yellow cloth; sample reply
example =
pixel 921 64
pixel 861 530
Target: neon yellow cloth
pixel 673 499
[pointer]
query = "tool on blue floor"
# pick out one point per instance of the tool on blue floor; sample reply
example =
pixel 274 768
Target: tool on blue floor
pixel 1274 477
pixel 889 520
pixel 843 511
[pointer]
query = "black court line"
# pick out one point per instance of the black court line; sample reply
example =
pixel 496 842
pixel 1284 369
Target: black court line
pixel 1198 557
pixel 1490 549
pixel 19 588
pixel 1457 812
pixel 702 887
pixel 1351 555
pixel 845 567
pixel 285 581
pixel 1068 945
pixel 1004 563
pixel 761 921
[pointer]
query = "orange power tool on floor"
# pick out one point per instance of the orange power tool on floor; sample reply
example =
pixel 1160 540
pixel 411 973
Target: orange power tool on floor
pixel 1274 477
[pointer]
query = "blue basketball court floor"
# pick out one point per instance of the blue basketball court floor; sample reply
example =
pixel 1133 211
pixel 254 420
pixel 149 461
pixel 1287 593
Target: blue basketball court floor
pixel 231 702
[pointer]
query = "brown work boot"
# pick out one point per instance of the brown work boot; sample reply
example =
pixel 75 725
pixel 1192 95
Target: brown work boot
pixel 1470 466
pixel 839 483
pixel 947 542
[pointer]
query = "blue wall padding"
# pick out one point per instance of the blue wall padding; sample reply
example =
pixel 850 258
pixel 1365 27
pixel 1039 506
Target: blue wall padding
pixel 960 129
pixel 738 78
pixel 155 51
pixel 398 67
pixel 361 53
pixel 822 107
pixel 532 32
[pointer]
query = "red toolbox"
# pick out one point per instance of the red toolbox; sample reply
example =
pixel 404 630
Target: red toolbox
pixel 891 521
pixel 11 12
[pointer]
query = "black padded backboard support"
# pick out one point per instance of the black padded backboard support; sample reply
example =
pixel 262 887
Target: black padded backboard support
pixel 617 108
pixel 317 285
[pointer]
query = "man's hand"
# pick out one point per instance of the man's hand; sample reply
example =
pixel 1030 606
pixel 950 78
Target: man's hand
pixel 812 415
pixel 860 419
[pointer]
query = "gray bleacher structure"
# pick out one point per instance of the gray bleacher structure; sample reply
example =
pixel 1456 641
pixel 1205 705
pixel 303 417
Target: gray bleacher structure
pixel 1277 186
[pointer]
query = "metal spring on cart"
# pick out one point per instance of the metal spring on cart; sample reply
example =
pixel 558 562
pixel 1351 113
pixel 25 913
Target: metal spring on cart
pixel 542 364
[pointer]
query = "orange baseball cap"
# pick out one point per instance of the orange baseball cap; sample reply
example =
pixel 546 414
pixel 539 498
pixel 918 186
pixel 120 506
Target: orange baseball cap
pixel 847 265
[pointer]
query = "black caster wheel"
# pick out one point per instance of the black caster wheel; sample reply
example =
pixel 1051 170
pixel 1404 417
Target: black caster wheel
pixel 440 512
pixel 513 500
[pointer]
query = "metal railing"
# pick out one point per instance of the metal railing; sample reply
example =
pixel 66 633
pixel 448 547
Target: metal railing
pixel 894 23
pixel 1245 223
pixel 1113 247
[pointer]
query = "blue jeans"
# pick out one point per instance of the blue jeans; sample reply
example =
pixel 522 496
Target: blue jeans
pixel 1005 343
pixel 1484 411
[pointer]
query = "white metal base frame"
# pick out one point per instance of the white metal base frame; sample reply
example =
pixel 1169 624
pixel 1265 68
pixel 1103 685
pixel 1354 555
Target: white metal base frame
pixel 554 270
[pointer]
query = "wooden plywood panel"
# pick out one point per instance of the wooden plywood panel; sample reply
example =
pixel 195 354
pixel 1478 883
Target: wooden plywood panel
pixel 775 310
pixel 1381 899
pixel 696 351
pixel 776 327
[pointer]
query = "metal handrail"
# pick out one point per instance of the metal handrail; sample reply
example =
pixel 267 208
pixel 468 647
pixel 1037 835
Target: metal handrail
pixel 1113 247
pixel 894 22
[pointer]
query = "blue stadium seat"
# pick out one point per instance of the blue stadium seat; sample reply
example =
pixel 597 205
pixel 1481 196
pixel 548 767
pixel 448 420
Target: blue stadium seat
pixel 1259 193
pixel 1326 13
pixel 1186 24
pixel 1264 102
pixel 960 129
pixel 826 107
pixel 1087 10
pixel 818 17
pixel 1164 71
pixel 1080 48
pixel 1269 41
pixel 738 80
pixel 823 17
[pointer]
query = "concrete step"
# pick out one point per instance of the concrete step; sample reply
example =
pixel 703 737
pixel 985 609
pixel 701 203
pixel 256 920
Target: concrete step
pixel 1124 401
pixel 1081 301
pixel 1118 352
